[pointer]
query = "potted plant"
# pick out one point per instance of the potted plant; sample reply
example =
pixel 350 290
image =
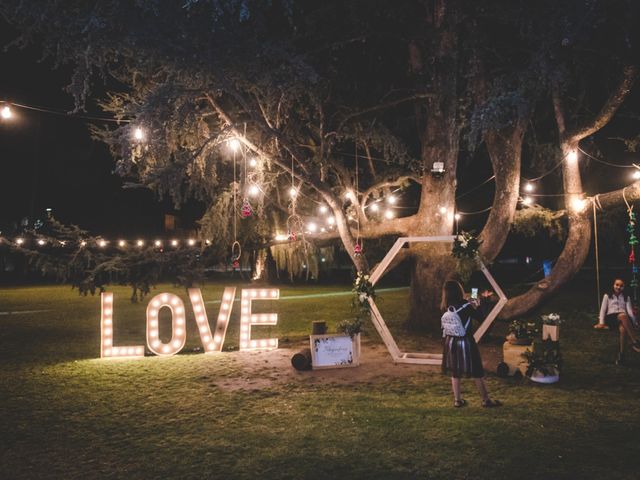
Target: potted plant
pixel 551 326
pixel 521 332
pixel 544 362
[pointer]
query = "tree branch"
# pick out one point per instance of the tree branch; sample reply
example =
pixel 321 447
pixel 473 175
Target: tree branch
pixel 383 106
pixel 630 75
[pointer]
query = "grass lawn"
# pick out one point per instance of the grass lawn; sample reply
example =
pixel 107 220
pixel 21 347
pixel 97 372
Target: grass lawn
pixel 66 414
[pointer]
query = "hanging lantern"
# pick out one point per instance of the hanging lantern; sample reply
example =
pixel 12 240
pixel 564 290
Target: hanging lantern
pixel 246 210
pixel 437 168
pixel 632 257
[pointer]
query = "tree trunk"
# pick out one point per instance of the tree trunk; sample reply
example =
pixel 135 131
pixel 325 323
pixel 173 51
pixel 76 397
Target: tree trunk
pixel 505 150
pixel 431 267
pixel 432 262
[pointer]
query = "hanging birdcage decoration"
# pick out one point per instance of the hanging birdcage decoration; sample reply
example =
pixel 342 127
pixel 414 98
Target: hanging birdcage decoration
pixel 295 227
pixel 236 252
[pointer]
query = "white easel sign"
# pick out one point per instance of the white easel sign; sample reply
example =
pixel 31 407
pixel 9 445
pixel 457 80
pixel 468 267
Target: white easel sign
pixel 334 351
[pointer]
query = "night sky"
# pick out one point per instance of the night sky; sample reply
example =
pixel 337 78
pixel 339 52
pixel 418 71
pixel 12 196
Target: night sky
pixel 50 161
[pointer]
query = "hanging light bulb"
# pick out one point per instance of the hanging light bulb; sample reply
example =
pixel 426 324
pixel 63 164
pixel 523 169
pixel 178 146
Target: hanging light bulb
pixel 138 134
pixel 391 199
pixel 102 243
pixel 157 243
pixel 312 227
pixel 527 200
pixel 122 243
pixel 578 204
pixel 174 243
pixel 456 217
pixel 388 214
pixel 323 209
pixel 636 175
pixel 140 243
pixel 191 242
pixel 6 112
pixel 374 207
pixel 572 156
pixel 19 241
pixel 331 220
pixel 293 192
pixel 254 190
pixel 234 144
pixel 528 187
pixel 253 162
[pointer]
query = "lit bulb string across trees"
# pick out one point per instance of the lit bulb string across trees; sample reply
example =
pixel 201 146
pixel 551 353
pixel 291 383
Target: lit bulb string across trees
pixel 6 113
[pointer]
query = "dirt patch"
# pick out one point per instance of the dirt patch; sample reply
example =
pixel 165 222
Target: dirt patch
pixel 260 370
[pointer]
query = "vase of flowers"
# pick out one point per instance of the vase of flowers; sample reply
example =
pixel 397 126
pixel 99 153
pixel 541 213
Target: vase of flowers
pixel 551 326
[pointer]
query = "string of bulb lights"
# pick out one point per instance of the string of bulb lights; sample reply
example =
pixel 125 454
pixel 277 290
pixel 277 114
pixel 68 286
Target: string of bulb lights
pixel 383 207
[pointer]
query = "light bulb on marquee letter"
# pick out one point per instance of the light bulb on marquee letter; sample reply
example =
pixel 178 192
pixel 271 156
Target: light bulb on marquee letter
pixel 247 319
pixel 107 348
pixel 178 330
pixel 212 343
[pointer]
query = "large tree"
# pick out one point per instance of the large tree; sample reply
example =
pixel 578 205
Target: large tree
pixel 346 102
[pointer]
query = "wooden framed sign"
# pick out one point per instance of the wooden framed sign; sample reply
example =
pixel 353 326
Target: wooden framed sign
pixel 334 351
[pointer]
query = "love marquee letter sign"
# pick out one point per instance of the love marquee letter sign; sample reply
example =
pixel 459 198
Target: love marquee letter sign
pixel 211 341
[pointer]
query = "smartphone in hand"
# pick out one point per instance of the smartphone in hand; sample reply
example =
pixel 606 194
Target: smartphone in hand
pixel 474 293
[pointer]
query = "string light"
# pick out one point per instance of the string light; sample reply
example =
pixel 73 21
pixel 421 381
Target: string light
pixel 234 144
pixel 138 134
pixel 41 242
pixel 323 209
pixel 83 243
pixel 312 227
pixel 636 175
pixel 254 190
pixel 443 210
pixel 456 217
pixel 527 200
pixel 140 243
pixel 122 243
pixel 174 243
pixel 388 214
pixel 391 199
pixel 6 112
pixel 578 204
pixel 102 243
pixel 281 238
pixel 293 192
pixel 374 207
pixel 572 156
pixel 528 187
pixel 253 162
pixel 331 220
pixel 19 241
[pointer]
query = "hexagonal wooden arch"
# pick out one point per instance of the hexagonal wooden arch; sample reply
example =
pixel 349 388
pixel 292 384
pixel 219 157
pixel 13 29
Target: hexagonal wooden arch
pixel 417 357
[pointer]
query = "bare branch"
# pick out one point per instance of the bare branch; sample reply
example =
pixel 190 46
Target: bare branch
pixel 630 75
pixel 384 106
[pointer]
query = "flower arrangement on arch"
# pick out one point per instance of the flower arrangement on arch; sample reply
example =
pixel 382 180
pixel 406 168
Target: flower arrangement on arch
pixel 362 290
pixel 466 245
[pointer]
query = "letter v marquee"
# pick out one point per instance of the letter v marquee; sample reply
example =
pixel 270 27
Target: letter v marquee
pixel 424 358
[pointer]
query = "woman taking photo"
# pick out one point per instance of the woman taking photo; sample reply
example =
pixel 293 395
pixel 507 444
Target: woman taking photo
pixel 460 356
